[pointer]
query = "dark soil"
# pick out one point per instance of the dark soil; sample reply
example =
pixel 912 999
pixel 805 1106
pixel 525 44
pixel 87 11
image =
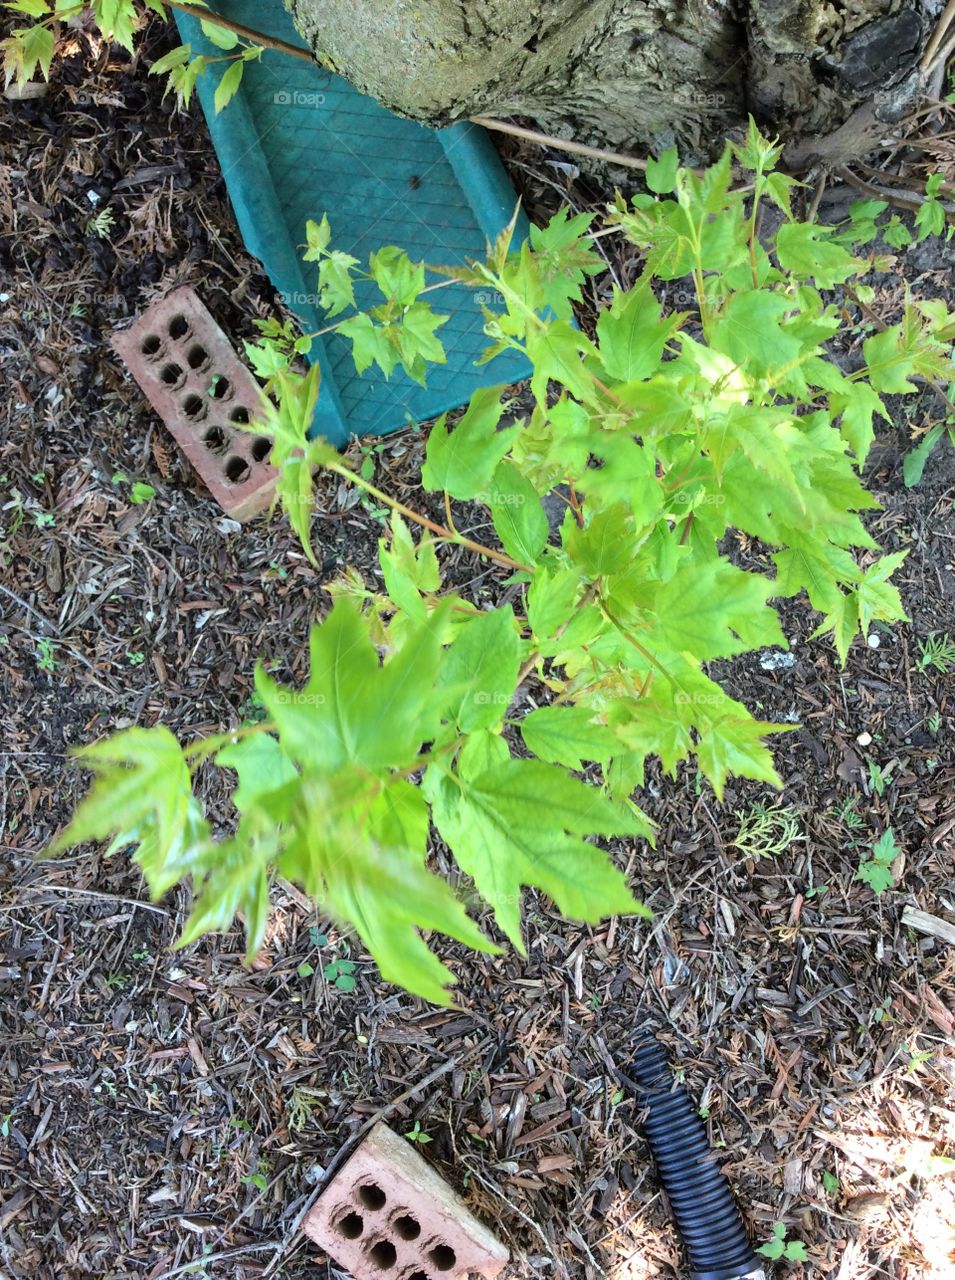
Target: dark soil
pixel 171 1113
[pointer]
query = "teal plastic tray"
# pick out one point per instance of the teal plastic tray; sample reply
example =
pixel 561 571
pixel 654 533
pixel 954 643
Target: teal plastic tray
pixel 297 142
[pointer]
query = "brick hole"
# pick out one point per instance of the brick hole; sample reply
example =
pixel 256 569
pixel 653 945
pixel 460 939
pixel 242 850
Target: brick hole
pixel 194 407
pixel 236 470
pixel 416 1275
pixel 179 326
pixel 151 346
pixel 406 1227
pixel 350 1225
pixel 372 1196
pixel 221 387
pixel 214 440
pixel 240 415
pixel 442 1257
pixel 261 448
pixel 172 374
pixel 197 356
pixel 383 1255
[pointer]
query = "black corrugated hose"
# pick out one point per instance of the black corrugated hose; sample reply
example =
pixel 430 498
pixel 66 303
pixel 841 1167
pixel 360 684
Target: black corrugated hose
pixel 706 1214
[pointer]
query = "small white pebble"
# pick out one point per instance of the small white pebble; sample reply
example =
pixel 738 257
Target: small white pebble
pixel 93 197
pixel 864 739
pixel 873 641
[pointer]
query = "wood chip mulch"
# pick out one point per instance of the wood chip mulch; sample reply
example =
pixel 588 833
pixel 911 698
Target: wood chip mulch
pixel 168 1114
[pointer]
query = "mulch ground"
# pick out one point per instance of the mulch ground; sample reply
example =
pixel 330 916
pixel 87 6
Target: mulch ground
pixel 171 1113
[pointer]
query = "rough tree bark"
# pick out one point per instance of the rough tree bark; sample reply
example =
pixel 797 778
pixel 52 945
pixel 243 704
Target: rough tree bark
pixel 638 75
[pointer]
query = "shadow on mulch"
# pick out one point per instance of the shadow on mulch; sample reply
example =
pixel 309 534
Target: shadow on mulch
pixel 166 1113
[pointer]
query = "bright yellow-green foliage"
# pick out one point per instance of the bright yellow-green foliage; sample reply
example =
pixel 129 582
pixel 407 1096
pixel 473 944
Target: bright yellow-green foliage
pixel 663 433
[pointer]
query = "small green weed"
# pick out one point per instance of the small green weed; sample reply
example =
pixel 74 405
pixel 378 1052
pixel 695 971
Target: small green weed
pixel 937 651
pixel 417 1135
pixel 339 974
pixel 779 1247
pixel 101 224
pixel 766 830
pixel 46 659
pixel 876 871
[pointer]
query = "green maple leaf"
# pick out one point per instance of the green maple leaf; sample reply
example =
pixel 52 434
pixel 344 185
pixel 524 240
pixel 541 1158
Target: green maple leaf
pixel 519 518
pixel 519 823
pixel 370 344
pixel 480 670
pixel 632 335
pixel 318 236
pixel 293 454
pixel 562 258
pixel 336 289
pixel 141 776
pixel 408 570
pixel 262 767
pixel 353 710
pixel 858 407
pixel 555 350
pixel 661 171
pixel 463 461
pixel 416 341
pixel 551 597
pixel 142 796
pixel 736 746
pixel 568 736
pixel 806 250
pixel 749 330
pixel 360 850
pixel 711 610
pixel 116 20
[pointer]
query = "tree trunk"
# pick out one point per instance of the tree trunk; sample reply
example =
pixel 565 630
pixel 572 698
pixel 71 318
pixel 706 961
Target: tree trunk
pixel 638 75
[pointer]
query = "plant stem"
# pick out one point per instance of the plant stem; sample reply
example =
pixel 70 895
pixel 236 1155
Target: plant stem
pixel 446 535
pixel 240 29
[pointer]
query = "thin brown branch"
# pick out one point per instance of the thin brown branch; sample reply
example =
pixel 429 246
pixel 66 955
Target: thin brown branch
pixel 240 29
pixel 561 144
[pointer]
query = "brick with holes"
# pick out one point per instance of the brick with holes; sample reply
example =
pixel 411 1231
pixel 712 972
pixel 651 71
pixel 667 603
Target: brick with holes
pixel 386 1215
pixel 193 378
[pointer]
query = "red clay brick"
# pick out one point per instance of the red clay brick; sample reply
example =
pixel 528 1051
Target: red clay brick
pixel 386 1215
pixel 193 378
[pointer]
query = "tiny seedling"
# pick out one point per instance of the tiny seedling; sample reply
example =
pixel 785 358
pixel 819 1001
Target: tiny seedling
pixel 5 1125
pixel 780 1247
pixel 876 871
pixel 339 974
pixel 882 1012
pixel 935 723
pixel 258 1180
pixel 766 831
pixel 830 1183
pixel 936 651
pixel 917 1057
pixel 849 816
pixel 141 493
pixel 101 224
pixel 135 657
pixel 44 519
pixel 305 970
pixel 416 1134
pixel 877 778
pixel 46 660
